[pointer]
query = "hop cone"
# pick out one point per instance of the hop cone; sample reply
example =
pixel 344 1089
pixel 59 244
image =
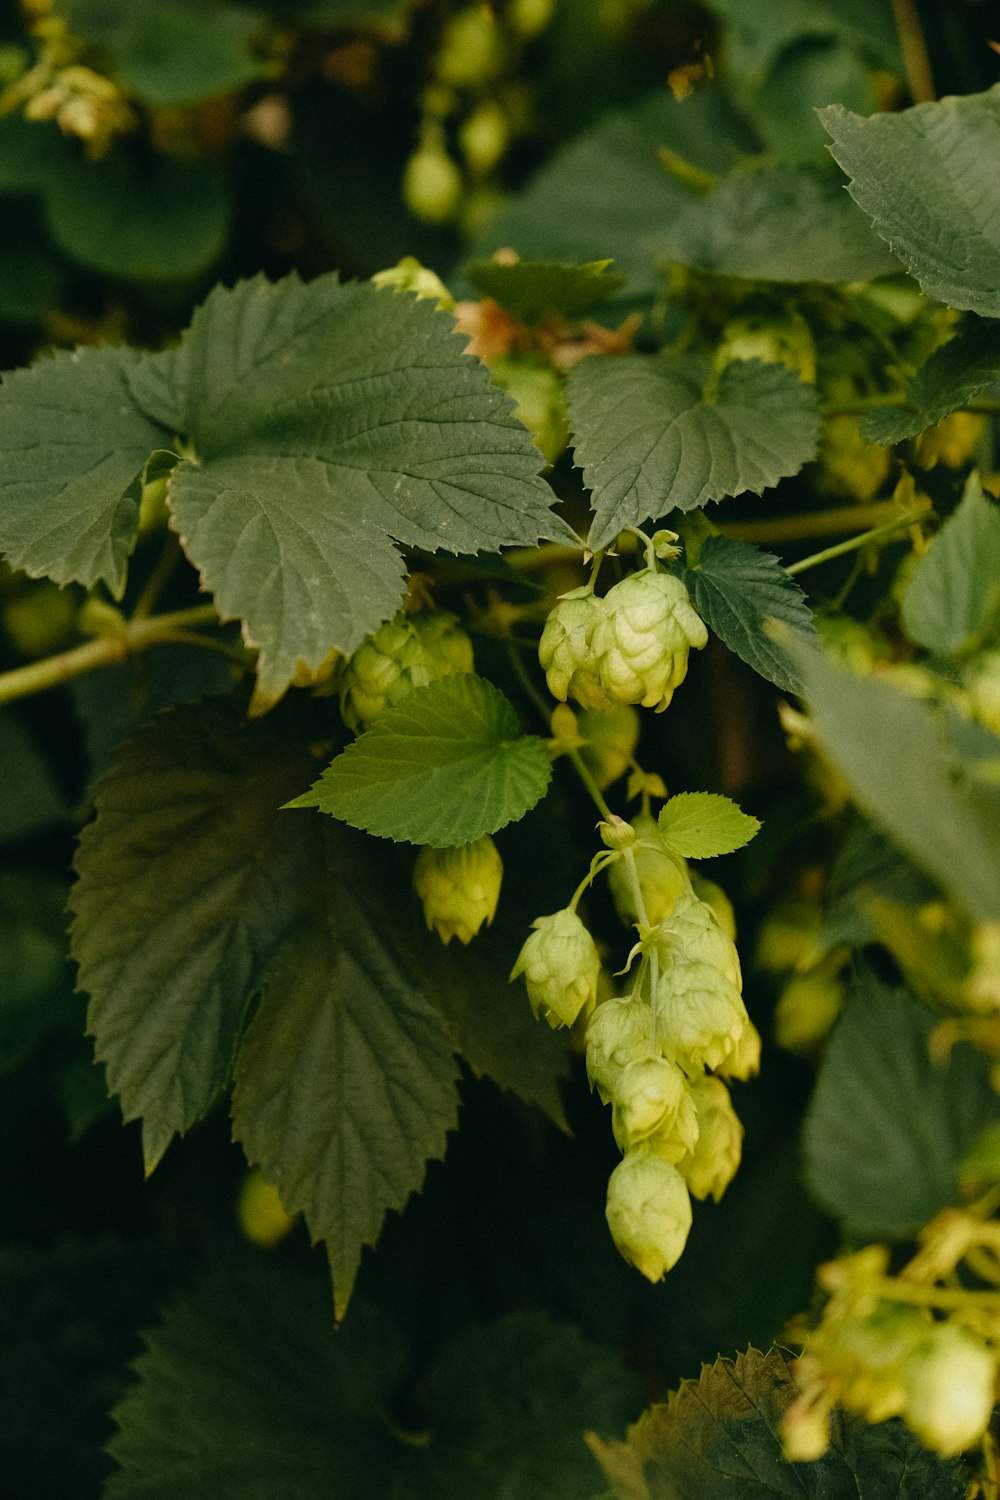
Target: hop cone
pixel 648 1213
pixel 459 887
pixel 700 1016
pixel 560 966
pixel 565 651
pixel 407 652
pixel 643 638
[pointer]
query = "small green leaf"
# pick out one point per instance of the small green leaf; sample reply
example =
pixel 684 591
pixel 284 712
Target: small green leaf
pixel 74 443
pixel 650 440
pixel 953 376
pixel 533 290
pixel 925 178
pixel 953 598
pixel 736 587
pixel 443 767
pixel 887 1127
pixel 718 1438
pixel 699 825
pixel 171 54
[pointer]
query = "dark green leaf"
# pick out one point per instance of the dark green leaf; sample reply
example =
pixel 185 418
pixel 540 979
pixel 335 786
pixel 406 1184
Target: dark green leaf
pixel 444 767
pixel 649 440
pixel 887 1128
pixel 953 598
pixel 735 587
pixel 345 1083
pixel 717 1438
pixel 187 887
pixel 35 983
pixel 925 179
pixel 73 442
pixel 329 420
pixel 172 54
pixel 29 798
pixel 758 35
pixel 954 374
pixel 532 290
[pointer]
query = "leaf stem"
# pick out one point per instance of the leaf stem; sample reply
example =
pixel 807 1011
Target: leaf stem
pixel 853 543
pixel 158 579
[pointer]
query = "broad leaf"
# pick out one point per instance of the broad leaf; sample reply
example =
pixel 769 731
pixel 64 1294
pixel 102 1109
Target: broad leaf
pixel 717 1438
pixel 953 376
pixel 74 442
pixel 900 758
pixel 532 290
pixel 887 1128
pixel 187 888
pixel 345 1083
pixel 443 767
pixel 650 440
pixel 736 588
pixel 925 179
pixel 172 54
pixel 953 598
pixel 329 420
pixel 699 825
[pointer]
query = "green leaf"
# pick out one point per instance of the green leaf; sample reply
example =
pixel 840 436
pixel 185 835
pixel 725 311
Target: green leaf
pixel 953 376
pixel 74 442
pixel 736 587
pixel 246 1392
pixel 29 797
pixel 699 825
pixel 906 772
pixel 443 767
pixel 328 421
pixel 345 1082
pixel 887 1128
pixel 717 1438
pixel 924 177
pixel 757 36
pixel 953 598
pixel 508 1407
pixel 532 290
pixel 649 439
pixel 171 54
pixel 187 888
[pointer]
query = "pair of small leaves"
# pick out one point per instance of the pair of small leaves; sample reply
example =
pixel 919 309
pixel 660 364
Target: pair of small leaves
pixel 700 825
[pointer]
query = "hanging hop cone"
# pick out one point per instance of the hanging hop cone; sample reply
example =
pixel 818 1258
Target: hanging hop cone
pixel 710 1165
pixel 407 652
pixel 643 638
pixel 654 1109
pixel 560 965
pixel 648 1212
pixel 619 1032
pixel 566 653
pixel 700 1015
pixel 459 888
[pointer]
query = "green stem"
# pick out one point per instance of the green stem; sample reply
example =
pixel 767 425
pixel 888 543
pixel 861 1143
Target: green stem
pixel 922 1294
pixel 524 678
pixel 912 45
pixel 781 529
pixel 853 543
pixel 861 404
pixel 159 578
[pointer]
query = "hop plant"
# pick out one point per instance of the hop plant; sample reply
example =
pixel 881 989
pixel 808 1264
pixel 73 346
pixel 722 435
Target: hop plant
pixel 459 888
pixel 663 880
pixel 648 1212
pixel 711 1162
pixel 619 1033
pixel 643 638
pixel 407 652
pixel 654 1108
pixel 560 965
pixel 700 1015
pixel 565 649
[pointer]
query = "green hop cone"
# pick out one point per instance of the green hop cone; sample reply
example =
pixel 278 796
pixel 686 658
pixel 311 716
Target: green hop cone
pixel 643 638
pixel 710 1165
pixel 691 931
pixel 619 1033
pixel 700 1015
pixel 459 888
pixel 565 651
pixel 407 652
pixel 560 966
pixel 654 1109
pixel 950 1383
pixel 663 880
pixel 776 340
pixel 648 1212
pixel 868 1355
pixel 743 1061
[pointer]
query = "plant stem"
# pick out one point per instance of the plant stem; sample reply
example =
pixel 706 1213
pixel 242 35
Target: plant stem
pixel 862 404
pixel 524 678
pixel 158 578
pixel 916 62
pixel 854 542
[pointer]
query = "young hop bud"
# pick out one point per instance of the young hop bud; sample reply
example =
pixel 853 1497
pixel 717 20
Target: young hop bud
pixel 560 967
pixel 663 880
pixel 459 887
pixel 950 1383
pixel 700 1016
pixel 711 1164
pixel 565 651
pixel 643 639
pixel 407 652
pixel 654 1109
pixel 618 1034
pixel 648 1213
pixel 691 931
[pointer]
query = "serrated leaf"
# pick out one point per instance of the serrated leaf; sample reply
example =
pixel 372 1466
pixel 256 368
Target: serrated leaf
pixel 907 773
pixel 924 177
pixel 736 587
pixel 699 825
pixel 345 1082
pixel 444 767
pixel 329 422
pixel 187 886
pixel 953 376
pixel 887 1128
pixel 533 290
pixel 649 440
pixel 246 1392
pixel 717 1438
pixel 508 1407
pixel 953 598
pixel 74 442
